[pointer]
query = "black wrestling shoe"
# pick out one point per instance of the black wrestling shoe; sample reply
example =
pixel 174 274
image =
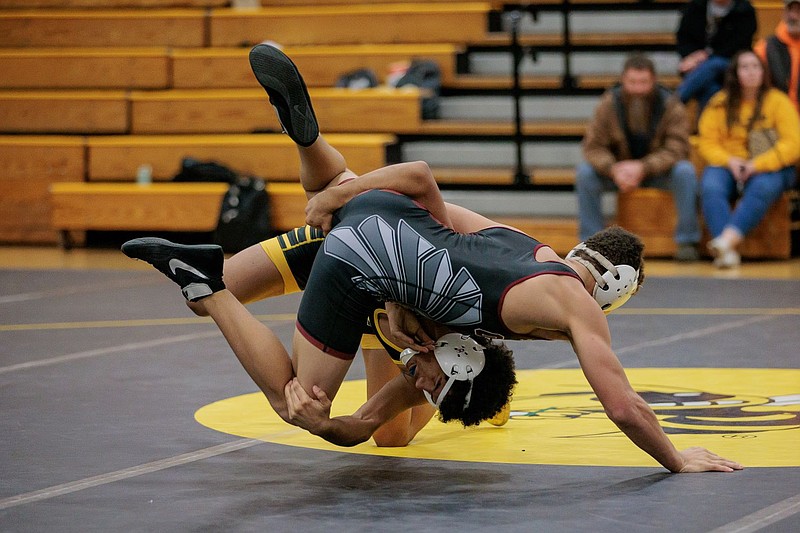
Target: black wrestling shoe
pixel 287 93
pixel 197 269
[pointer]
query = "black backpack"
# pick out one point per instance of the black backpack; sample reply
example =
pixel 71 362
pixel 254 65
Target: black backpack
pixel 358 79
pixel 425 75
pixel 193 170
pixel 244 215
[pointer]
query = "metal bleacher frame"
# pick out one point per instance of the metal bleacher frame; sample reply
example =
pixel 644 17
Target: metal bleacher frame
pixel 524 179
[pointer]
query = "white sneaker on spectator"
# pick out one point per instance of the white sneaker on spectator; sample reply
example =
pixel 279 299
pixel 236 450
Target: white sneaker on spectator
pixel 724 255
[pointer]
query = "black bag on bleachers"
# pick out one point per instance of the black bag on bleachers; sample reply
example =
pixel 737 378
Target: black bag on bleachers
pixel 204 172
pixel 362 78
pixel 244 215
pixel 425 75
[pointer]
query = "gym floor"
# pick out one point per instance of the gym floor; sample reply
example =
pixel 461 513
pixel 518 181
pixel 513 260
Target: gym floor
pixel 121 411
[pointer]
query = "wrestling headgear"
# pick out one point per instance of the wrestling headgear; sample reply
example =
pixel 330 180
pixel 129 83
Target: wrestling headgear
pixel 461 359
pixel 613 288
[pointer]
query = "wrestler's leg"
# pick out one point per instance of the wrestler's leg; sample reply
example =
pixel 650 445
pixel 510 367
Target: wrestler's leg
pixel 402 429
pixel 280 265
pixel 264 357
pixel 256 347
pixel 250 275
pixel 198 270
pixel 312 366
pixel 321 165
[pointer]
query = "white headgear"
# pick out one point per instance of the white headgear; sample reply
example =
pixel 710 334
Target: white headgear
pixel 461 358
pixel 613 288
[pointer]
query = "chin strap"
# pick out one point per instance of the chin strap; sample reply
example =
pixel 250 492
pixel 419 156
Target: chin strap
pixel 613 288
pixel 460 357
pixel 597 256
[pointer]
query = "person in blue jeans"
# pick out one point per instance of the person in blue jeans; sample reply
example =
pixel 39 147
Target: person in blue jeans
pixel 745 114
pixel 709 34
pixel 639 137
pixel 758 193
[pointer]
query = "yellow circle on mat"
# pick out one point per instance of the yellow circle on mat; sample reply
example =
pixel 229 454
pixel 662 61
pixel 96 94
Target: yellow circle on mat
pixel 749 415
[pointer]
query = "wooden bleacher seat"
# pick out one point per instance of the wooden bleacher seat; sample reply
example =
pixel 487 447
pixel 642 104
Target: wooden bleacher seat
pixel 85 68
pixel 248 110
pixel 321 65
pixel 287 205
pixel 496 4
pixel 650 213
pixel 201 68
pixel 63 112
pixel 108 4
pixel 351 24
pixel 580 39
pixel 587 2
pixel 78 207
pixel 482 81
pixel 485 127
pixel 551 81
pixel 502 176
pixel 103 28
pixel 28 165
pixel 129 206
pixel 560 233
pixel 271 156
pixel 604 82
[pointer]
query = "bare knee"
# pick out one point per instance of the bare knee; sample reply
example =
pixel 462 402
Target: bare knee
pixel 393 436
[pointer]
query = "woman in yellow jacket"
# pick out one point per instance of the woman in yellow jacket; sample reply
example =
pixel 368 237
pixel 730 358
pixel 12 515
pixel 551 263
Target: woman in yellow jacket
pixel 750 139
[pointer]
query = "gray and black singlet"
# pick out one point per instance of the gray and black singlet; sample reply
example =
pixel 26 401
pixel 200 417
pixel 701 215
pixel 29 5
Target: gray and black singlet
pixel 293 255
pixel 386 247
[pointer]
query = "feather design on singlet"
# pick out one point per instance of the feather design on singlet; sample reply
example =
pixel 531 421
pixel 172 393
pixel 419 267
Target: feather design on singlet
pixel 400 265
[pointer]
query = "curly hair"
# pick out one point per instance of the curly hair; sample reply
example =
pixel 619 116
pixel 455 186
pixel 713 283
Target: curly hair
pixel 492 388
pixel 619 246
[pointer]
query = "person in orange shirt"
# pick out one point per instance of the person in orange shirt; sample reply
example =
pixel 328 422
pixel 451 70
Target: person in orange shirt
pixel 781 52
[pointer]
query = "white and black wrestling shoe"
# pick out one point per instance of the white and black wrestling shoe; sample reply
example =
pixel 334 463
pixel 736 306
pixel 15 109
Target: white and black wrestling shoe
pixel 197 269
pixel 287 92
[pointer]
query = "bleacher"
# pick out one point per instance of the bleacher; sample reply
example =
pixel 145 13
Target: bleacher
pixel 93 90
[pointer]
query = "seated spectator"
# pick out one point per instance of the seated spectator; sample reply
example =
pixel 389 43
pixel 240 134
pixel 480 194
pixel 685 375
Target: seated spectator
pixel 638 137
pixel 750 138
pixel 781 52
pixel 709 34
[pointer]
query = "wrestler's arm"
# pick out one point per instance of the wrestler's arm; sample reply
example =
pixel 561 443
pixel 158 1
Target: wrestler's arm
pixel 591 341
pixel 413 179
pixel 313 413
pixel 400 430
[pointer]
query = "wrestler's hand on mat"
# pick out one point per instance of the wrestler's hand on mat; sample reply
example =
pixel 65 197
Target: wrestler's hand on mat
pixel 697 459
pixel 406 328
pixel 309 413
pixel 320 209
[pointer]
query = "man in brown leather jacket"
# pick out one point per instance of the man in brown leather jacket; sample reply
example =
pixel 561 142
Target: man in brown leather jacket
pixel 639 137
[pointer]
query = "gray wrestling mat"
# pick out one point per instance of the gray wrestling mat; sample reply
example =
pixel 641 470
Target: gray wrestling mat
pixel 102 372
